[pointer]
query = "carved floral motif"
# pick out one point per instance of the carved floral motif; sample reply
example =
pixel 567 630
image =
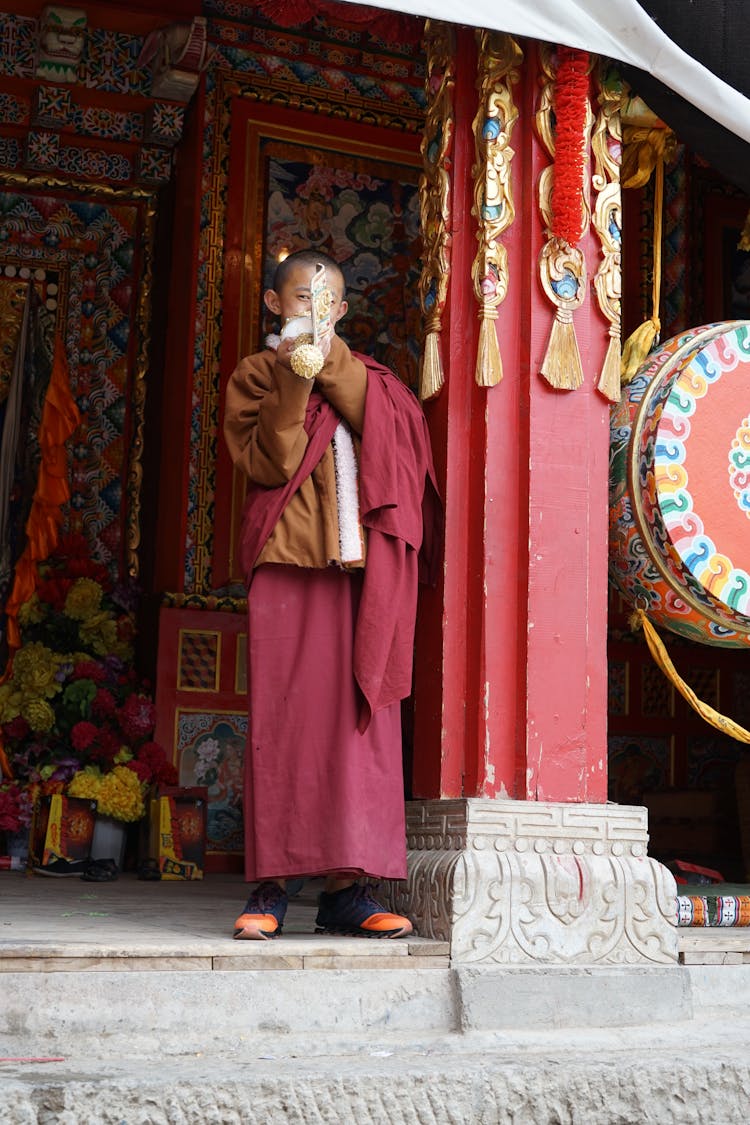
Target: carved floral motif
pixel 517 882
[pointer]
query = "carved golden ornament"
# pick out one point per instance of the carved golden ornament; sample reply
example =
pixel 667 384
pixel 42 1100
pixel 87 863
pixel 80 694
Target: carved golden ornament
pixel 606 138
pixel 562 267
pixel 143 318
pixel 500 58
pixel 606 145
pixel 544 115
pixel 13 295
pixel 434 199
pixel 744 242
pixel 307 361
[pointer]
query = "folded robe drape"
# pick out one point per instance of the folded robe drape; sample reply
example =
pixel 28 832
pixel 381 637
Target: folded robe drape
pixel 401 511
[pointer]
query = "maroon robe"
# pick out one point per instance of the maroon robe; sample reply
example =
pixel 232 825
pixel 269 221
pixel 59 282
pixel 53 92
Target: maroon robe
pixel 330 656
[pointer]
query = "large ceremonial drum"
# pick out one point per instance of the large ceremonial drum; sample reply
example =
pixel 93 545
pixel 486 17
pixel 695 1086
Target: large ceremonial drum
pixel 680 486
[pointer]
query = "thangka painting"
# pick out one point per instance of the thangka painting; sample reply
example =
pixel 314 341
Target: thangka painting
pixel 211 747
pixel 365 215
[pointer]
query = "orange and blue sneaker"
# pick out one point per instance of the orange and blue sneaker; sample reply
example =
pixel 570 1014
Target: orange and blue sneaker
pixel 353 910
pixel 263 916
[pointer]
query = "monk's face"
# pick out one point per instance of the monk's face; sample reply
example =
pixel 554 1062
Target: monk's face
pixel 293 298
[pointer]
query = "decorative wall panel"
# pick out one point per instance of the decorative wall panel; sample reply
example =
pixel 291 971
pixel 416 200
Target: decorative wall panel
pixel 90 253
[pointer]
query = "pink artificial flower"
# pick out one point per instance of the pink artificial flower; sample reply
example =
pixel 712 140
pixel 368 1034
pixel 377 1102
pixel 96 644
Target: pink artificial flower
pixel 83 734
pixel 106 746
pixel 140 769
pixel 103 704
pixel 89 670
pixel 137 717
pixel 10 809
pixel 16 729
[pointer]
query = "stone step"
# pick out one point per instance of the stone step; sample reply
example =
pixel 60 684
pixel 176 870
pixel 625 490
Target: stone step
pixel 695 1074
pixel 715 945
pixel 131 1002
pixel 292 952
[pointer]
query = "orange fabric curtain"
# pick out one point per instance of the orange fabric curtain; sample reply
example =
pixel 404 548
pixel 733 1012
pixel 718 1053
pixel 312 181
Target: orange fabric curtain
pixel 60 418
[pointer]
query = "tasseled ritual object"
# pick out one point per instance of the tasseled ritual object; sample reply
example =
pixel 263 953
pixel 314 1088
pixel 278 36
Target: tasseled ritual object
pixel 562 265
pixel 307 361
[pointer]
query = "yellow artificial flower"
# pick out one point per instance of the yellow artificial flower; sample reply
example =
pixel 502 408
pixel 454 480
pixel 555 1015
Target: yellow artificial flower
pixel 100 632
pixel 123 650
pixel 83 599
pixel 34 670
pixel 121 795
pixel 11 701
pixel 39 715
pixel 31 612
pixel 86 783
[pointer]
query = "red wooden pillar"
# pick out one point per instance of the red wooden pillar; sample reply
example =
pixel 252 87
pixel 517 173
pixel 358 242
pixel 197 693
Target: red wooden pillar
pixel 514 644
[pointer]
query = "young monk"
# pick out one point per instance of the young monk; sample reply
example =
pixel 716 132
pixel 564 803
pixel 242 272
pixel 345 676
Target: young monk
pixel 339 471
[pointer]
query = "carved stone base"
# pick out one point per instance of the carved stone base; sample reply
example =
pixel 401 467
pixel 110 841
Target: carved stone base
pixel 526 882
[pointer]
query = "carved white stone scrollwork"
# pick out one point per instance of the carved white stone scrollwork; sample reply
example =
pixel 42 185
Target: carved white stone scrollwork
pixel 517 882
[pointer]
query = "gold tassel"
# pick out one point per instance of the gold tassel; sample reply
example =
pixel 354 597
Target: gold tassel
pixel 744 242
pixel 636 348
pixel 431 377
pixel 640 342
pixel 489 370
pixel 561 366
pixel 609 380
pixel 709 714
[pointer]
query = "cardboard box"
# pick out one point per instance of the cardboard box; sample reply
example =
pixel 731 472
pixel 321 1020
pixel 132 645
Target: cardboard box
pixel 178 832
pixel 61 828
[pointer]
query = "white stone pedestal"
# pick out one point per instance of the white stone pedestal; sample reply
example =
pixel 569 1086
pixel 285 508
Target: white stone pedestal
pixel 534 883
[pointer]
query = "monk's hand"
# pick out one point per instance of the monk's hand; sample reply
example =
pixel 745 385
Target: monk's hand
pixel 284 353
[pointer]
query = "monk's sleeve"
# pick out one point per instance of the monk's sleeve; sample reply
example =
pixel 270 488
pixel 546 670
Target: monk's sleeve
pixel 343 381
pixel 264 420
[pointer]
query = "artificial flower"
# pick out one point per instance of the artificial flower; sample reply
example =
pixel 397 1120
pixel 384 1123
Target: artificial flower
pixel 83 734
pixel 120 795
pixel 74 713
pixel 15 807
pixel 34 668
pixel 38 714
pixel 31 612
pixel 84 599
pixel 100 632
pixel 137 717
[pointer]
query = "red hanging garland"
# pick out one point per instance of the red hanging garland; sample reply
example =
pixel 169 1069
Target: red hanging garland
pixel 571 103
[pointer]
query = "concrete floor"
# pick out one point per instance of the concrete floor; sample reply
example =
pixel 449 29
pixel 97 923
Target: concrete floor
pixel 65 923
pixel 129 1003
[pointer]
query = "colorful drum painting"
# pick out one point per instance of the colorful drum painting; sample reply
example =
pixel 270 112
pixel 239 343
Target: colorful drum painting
pixel 680 486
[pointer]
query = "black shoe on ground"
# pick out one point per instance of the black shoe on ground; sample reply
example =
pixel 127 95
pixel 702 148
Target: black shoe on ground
pixel 60 868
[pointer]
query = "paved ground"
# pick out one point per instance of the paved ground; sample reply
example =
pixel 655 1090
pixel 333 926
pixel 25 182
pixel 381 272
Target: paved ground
pixel 129 1002
pixel 51 924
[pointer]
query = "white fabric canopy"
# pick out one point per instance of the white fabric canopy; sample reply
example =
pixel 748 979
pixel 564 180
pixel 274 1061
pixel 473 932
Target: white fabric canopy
pixel 618 29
